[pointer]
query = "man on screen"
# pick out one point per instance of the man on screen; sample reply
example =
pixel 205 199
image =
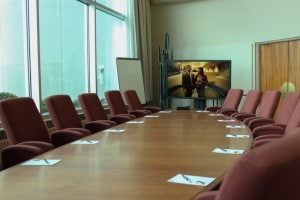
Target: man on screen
pixel 188 81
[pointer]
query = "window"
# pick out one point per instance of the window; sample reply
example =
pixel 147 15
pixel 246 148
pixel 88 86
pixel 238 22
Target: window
pixel 13 49
pixel 58 49
pixel 117 5
pixel 110 44
pixel 63 51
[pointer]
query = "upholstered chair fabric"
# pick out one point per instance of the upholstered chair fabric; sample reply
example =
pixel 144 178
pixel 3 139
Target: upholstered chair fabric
pixel 24 126
pixel 93 110
pixel 266 109
pixel 286 109
pixel 117 105
pixel 269 133
pixel 268 172
pixel 249 105
pixel 232 101
pixel 134 102
pixel 64 116
pixel 15 154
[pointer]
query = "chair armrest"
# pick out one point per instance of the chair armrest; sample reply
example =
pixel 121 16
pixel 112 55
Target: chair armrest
pixel 83 131
pixel 253 123
pixel 65 136
pixel 268 130
pixel 138 113
pixel 261 142
pixel 152 109
pixel 263 137
pixel 127 115
pixel 45 146
pixel 227 111
pixel 119 119
pixel 97 126
pixel 18 153
pixel 213 108
pixel 243 116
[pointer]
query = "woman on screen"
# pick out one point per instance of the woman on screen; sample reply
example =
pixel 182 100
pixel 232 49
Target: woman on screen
pixel 200 83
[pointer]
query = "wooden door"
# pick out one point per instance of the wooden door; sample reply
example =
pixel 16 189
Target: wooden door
pixel 294 65
pixel 273 62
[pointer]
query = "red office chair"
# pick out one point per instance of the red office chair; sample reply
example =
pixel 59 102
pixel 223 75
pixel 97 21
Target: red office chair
pixel 64 116
pixel 287 107
pixel 117 106
pixel 134 102
pixel 15 154
pixel 93 110
pixel 232 101
pixel 249 105
pixel 268 133
pixel 24 126
pixel 269 172
pixel 266 108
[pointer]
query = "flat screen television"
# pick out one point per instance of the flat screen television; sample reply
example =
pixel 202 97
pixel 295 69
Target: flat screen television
pixel 218 74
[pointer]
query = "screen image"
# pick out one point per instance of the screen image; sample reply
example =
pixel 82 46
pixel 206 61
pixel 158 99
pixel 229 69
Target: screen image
pixel 198 78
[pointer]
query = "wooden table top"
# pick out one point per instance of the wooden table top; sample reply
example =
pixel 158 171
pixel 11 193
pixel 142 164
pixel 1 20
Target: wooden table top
pixel 135 164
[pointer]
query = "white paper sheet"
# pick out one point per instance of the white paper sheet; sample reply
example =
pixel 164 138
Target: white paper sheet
pixel 165 111
pixel 135 122
pixel 228 151
pixel 202 111
pixel 226 120
pixel 86 142
pixel 114 130
pixel 235 126
pixel 151 116
pixel 41 162
pixel 191 180
pixel 215 114
pixel 232 135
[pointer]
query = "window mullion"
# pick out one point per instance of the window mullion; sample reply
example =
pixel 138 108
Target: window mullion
pixel 33 53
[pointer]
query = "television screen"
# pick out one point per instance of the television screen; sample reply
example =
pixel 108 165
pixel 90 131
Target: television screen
pixel 198 78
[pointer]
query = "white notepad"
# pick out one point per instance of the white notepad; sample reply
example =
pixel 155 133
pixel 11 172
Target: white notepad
pixel 135 122
pixel 113 130
pixel 165 111
pixel 151 116
pixel 202 111
pixel 232 135
pixel 41 162
pixel 235 126
pixel 215 114
pixel 191 180
pixel 226 120
pixel 86 142
pixel 228 151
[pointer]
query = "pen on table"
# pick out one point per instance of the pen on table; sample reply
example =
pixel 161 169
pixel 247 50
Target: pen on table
pixel 225 150
pixel 89 141
pixel 186 178
pixel 200 182
pixel 46 161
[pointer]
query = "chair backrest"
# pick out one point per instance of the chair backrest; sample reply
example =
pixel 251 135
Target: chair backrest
pixel 115 102
pixel 62 112
pixel 287 107
pixel 132 100
pixel 251 102
pixel 22 121
pixel 92 107
pixel 268 104
pixel 233 99
pixel 294 120
pixel 268 172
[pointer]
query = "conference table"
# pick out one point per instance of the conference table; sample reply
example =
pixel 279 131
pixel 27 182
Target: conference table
pixel 173 154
